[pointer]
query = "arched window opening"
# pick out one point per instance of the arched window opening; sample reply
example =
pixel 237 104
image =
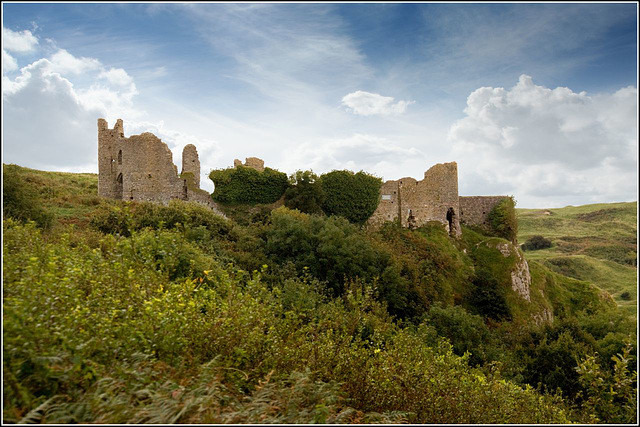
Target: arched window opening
pixel 120 157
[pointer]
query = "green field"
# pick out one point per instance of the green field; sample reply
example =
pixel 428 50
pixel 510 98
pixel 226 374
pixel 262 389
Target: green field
pixel 595 243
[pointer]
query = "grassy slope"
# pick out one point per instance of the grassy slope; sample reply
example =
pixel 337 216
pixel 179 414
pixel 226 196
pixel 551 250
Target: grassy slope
pixel 595 243
pixel 69 196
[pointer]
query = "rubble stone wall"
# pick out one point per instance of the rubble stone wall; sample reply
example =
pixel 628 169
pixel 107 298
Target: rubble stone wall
pixel 474 210
pixel 414 203
pixel 250 162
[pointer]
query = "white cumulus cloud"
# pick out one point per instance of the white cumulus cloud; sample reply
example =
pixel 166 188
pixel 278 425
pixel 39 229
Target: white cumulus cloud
pixel 22 41
pixel 370 104
pixel 49 123
pixel 65 63
pixel 9 63
pixel 116 76
pixel 544 144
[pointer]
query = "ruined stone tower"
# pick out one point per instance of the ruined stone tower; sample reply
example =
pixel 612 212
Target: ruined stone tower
pixel 435 198
pixel 191 163
pixel 141 168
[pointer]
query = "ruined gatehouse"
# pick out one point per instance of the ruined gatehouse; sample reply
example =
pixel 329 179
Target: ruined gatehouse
pixel 414 203
pixel 140 168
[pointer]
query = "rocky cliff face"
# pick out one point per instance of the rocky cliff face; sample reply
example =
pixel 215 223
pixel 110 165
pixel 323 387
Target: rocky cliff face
pixel 520 276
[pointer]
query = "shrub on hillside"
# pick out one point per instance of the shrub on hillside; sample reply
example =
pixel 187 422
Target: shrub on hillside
pixel 123 219
pixel 330 249
pixel 466 332
pixel 487 297
pixel 535 243
pixel 354 196
pixel 20 200
pixel 304 193
pixel 246 185
pixel 503 220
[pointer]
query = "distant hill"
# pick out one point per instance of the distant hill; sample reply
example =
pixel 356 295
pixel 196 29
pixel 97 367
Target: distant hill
pixel 595 243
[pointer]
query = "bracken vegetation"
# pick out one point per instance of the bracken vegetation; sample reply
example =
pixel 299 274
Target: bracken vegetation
pixel 122 312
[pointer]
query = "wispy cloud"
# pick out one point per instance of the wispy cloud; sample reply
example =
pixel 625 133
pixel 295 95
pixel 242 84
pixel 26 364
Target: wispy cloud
pixel 372 104
pixel 291 54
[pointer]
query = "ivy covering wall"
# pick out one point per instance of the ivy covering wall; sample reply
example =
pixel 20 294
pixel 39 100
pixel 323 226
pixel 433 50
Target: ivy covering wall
pixel 246 185
pixel 354 196
pixel 503 219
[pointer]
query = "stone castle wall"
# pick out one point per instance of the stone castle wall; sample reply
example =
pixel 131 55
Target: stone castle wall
pixel 141 168
pixel 414 203
pixel 474 210
pixel 250 162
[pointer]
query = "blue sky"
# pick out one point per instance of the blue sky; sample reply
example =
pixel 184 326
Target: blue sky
pixel 538 101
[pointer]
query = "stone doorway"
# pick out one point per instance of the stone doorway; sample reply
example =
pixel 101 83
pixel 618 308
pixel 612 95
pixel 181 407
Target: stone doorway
pixel 451 219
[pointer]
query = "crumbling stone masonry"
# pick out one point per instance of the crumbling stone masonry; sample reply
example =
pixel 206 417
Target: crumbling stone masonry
pixel 250 162
pixel 435 198
pixel 474 210
pixel 141 168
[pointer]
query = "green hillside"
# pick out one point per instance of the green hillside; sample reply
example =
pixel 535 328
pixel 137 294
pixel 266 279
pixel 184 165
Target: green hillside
pixel 595 243
pixel 126 312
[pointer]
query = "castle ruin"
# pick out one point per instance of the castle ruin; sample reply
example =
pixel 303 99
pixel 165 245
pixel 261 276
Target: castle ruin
pixel 140 168
pixel 435 198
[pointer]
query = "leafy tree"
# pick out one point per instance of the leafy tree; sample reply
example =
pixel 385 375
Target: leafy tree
pixel 354 196
pixel 503 219
pixel 304 193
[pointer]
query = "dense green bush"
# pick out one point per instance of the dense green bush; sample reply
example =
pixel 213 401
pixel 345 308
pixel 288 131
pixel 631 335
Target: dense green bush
pixel 20 200
pixel 535 243
pixel 247 185
pixel 304 193
pixel 331 249
pixel 488 297
pixel 354 196
pixel 125 218
pixel 503 220
pixel 465 331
